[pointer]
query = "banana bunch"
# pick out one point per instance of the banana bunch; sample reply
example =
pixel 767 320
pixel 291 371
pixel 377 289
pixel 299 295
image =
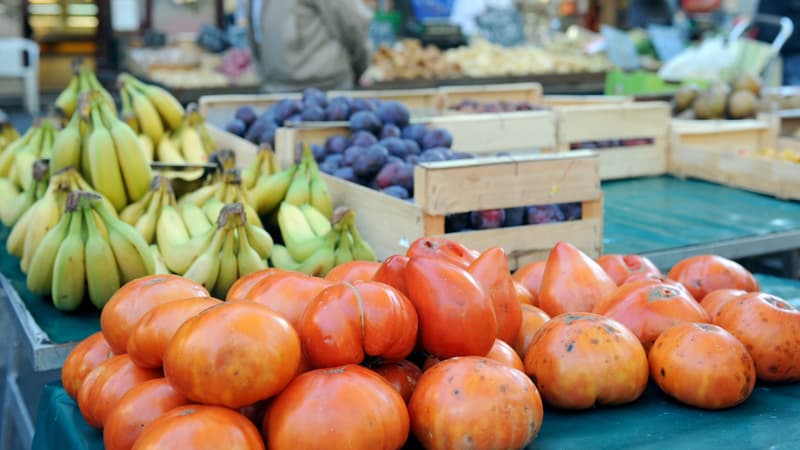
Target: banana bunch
pixel 107 152
pixel 83 81
pixel 149 109
pixel 8 133
pixel 217 257
pixel 224 190
pixel 144 214
pixel 16 161
pixel 189 143
pixel 15 203
pixel 263 165
pixel 88 251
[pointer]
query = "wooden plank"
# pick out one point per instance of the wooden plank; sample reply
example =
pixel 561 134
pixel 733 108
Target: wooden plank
pixel 748 134
pixel 634 161
pixel 612 121
pixel 520 132
pixel 289 140
pixel 505 182
pixel 418 101
pixel 244 150
pixel 531 243
pixel 583 100
pixel 491 93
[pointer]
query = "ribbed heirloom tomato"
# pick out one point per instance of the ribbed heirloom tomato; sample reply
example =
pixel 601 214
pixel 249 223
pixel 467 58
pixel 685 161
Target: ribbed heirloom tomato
pixel 703 274
pixel 581 360
pixel 393 272
pixel 402 375
pixel 491 272
pixel 288 294
pixel 233 354
pixel 572 282
pixel 353 271
pixel 524 296
pixel 436 247
pixel 530 276
pixel 200 427
pixel 88 354
pixel 241 288
pixel 620 267
pixel 474 403
pixel 532 319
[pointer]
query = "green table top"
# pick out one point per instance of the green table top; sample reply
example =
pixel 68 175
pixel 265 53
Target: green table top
pixel 658 213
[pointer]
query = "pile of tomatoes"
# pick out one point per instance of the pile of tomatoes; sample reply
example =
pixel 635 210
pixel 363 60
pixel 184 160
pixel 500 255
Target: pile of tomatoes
pixel 443 343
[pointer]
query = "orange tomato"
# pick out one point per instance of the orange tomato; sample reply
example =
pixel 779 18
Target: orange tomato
pixel 288 294
pixel 353 271
pixel 241 288
pixel 524 296
pixel 442 248
pixel 504 354
pixel 491 272
pixel 530 276
pixel 705 273
pixel 532 319
pixel 402 375
pixel 88 354
pixel 715 300
pixel 620 267
pixel 393 272
pixel 572 282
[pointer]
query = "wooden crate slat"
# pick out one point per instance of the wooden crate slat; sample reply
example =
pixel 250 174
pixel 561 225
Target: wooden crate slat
pixel 505 182
pixel 288 140
pixel 582 100
pixel 634 161
pixel 492 93
pixel 613 121
pixel 242 148
pixel 507 132
pixel 219 109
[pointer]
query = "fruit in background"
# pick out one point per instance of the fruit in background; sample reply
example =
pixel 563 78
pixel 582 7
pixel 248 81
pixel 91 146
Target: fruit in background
pixel 88 354
pixel 532 319
pixel 402 375
pixel 436 137
pixel 392 112
pixel 742 104
pixel 83 80
pixel 710 105
pixel 18 158
pixel 620 267
pixel 474 106
pixel 544 214
pixel 514 217
pixel 530 276
pixel 702 365
pixel 487 219
pixel 703 274
pixel 715 300
pixel 747 81
pixel 684 97
pixel 583 374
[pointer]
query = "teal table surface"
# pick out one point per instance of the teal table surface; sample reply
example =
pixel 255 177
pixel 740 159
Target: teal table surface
pixel 656 213
pixel 768 419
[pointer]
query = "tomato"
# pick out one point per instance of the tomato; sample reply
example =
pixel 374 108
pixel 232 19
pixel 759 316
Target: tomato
pixel 133 300
pixel 572 282
pixel 456 317
pixel 436 247
pixel 288 294
pixel 200 427
pixel 402 375
pixel 138 408
pixel 149 337
pixel 530 276
pixel 491 272
pixel 346 323
pixel 649 307
pixel 353 271
pixel 702 365
pixel 581 360
pixel 474 403
pixel 233 354
pixel 705 273
pixel 88 354
pixel 524 296
pixel 641 276
pixel 347 407
pixel 106 384
pixel 532 319
pixel 393 272
pixel 715 300
pixel 620 267
pixel 769 327
pixel 241 288
pixel 504 354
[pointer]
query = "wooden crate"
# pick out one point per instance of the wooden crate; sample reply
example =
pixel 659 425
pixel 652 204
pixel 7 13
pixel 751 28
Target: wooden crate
pixel 390 224
pixel 615 121
pixel 517 132
pixel 517 92
pixel 421 102
pixel 242 148
pixel 584 100
pixel 718 152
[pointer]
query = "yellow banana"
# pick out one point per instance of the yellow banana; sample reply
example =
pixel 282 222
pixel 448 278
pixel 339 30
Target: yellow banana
pixel 102 277
pixel 191 146
pixel 83 185
pixel 24 166
pixel 69 270
pixel 40 273
pixel 319 223
pixel 15 243
pixel 13 209
pixel 161 266
pixel 132 253
pixel 253 171
pixel 195 219
pixel 200 196
pixel 94 85
pixel 85 166
pixel 147 115
pixel 104 164
pixel 270 190
pixel 212 209
pixel 298 236
pixel 362 251
pixel 228 271
pixel 127 114
pixel 134 211
pixel 319 196
pixel 259 239
pixel 298 191
pixel 147 147
pixel 168 107
pixel 205 268
pixel 168 151
pixel 174 243
pixel 67 147
pixel 146 225
pixel 133 164
pixel 67 100
pixel 46 216
pixel 318 264
pixel 248 258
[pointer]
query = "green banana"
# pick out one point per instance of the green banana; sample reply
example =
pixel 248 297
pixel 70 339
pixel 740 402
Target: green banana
pixel 102 278
pixel 298 192
pixel 40 273
pixel 195 219
pixel 69 270
pixel 298 236
pixel 270 190
pixel 248 258
pixel 228 271
pixel 132 253
pixel 205 268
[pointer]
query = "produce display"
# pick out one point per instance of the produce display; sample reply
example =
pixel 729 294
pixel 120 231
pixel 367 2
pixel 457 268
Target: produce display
pixel 409 60
pixel 474 106
pixel 188 66
pixel 739 99
pixel 786 154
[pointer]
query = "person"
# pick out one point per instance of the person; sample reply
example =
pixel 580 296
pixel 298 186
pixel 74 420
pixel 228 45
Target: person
pixel 790 52
pixel 309 43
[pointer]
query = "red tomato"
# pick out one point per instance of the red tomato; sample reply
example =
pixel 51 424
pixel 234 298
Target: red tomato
pixel 572 282
pixel 620 267
pixel 491 272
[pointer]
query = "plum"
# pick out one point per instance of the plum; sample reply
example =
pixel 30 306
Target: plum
pixel 412 159
pixel 370 161
pixel 386 175
pixel 313 113
pixel 351 153
pixel 337 110
pixel 544 214
pixel 394 159
pixel 432 155
pixel 491 108
pixel 390 130
pixel 365 121
pixel 294 118
pixel 363 139
pixel 346 173
pixel 571 211
pixel 336 144
pixel 394 112
pixel 412 147
pixel 328 167
pixel 268 136
pixel 285 109
pixel 313 96
pixel 362 104
pixel 258 127
pixel 453 223
pixel 395 145
pixel 514 217
pixel 436 137
pixel 404 176
pixel 462 155
pixel 236 126
pixel 396 191
pixel 415 132
pixel 487 219
pixel 335 158
pixel 318 151
pixel 246 114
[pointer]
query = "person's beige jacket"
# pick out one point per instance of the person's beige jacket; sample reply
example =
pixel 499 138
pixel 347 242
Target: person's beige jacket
pixel 310 43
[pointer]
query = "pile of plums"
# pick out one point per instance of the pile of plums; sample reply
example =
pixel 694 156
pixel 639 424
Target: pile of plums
pixel 474 106
pixel 513 217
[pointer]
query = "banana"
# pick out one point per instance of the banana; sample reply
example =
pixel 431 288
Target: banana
pixel 146 225
pixel 270 190
pixel 15 243
pixel 168 151
pixel 94 85
pixel 40 273
pixel 248 258
pixel 102 278
pixel 133 164
pixel 67 100
pixel 228 271
pixel 81 184
pixel 161 266
pixel 213 208
pixel 318 264
pixel 127 114
pixel 46 216
pixel 132 253
pixel 191 146
pixel 319 223
pixel 362 251
pixel 318 189
pixel 195 219
pixel 259 239
pixel 31 138
pixel 12 210
pixel 253 171
pixel 298 191
pixel 85 166
pixel 24 166
pixel 201 196
pixel 343 251
pixel 205 268
pixel 147 147
pixel 104 164
pixel 67 146
pixel 69 270
pixel 174 243
pixel 134 211
pixel 49 137
pixel 208 142
pixel 147 115
pixel 168 107
pixel 298 236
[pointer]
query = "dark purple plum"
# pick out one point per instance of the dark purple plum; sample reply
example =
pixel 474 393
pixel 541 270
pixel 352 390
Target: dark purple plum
pixel 544 214
pixel 395 145
pixel 412 159
pixel 327 167
pixel 405 177
pixel 255 130
pixel 453 223
pixel 246 114
pixel 237 127
pixel 336 144
pixel 412 147
pixel 487 219
pixel 462 155
pixel 491 108
pixel 318 151
pixel 415 132
pixel 286 109
pixel 295 118
pixel 351 154
pixel 390 130
pixel 365 121
pixel 268 136
pixel 362 104
pixel 346 173
pixel 432 155
pixel 571 211
pixel 313 113
pixel 337 110
pixel 386 175
pixel 363 139
pixel 313 96
pixel 334 158
pixel 394 112
pixel 394 159
pixel 369 162
pixel 269 115
pixel 436 137
pixel 396 191
pixel 514 217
